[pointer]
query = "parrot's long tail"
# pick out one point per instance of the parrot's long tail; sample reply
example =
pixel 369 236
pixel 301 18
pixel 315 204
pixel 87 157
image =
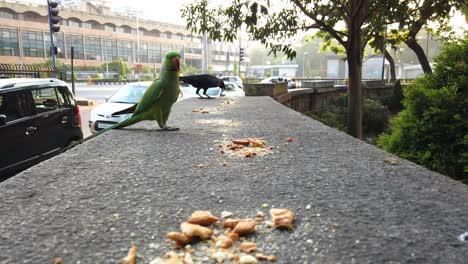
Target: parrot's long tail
pixel 127 122
pixel 130 121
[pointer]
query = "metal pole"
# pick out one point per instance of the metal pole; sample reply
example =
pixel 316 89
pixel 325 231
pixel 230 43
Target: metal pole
pixel 384 49
pixel 205 50
pixel 72 69
pixel 107 66
pixel 52 49
pixel 240 46
pixel 138 41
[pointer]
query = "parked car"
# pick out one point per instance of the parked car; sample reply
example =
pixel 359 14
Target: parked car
pixel 39 118
pixel 233 91
pixel 234 80
pixel 188 91
pixel 129 94
pixel 278 79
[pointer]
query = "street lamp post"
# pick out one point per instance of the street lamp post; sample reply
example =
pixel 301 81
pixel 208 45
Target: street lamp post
pixel 304 63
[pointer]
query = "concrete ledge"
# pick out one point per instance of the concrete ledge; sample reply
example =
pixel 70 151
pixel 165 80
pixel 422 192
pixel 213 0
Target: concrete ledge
pixel 317 84
pixel 265 89
pixel 90 204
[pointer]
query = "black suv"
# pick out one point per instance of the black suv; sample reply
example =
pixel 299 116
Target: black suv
pixel 38 119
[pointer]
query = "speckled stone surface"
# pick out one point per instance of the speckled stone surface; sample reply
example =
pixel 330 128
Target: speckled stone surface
pixel 351 206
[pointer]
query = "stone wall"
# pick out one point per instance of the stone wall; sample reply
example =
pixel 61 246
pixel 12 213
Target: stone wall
pixel 315 94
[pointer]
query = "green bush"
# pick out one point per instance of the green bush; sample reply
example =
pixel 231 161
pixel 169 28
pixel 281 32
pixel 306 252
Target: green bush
pixel 147 78
pixel 375 115
pixel 432 129
pixel 394 102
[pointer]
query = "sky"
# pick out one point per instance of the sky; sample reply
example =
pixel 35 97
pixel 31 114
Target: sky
pixel 160 10
pixel 169 10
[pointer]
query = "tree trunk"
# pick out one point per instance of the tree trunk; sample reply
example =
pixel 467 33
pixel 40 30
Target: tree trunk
pixel 392 66
pixel 413 44
pixel 354 57
pixel 354 93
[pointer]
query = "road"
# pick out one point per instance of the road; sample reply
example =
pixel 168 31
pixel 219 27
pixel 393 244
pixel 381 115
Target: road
pixel 97 93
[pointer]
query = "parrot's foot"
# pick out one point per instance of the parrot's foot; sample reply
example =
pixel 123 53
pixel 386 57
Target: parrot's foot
pixel 168 128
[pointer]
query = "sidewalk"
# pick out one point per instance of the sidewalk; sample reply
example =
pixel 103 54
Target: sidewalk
pixel 84 102
pixel 134 185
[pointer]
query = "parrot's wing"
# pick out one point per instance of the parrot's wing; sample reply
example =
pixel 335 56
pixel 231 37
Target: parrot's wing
pixel 151 94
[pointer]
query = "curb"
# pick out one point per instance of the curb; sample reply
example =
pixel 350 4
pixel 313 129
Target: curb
pixel 84 102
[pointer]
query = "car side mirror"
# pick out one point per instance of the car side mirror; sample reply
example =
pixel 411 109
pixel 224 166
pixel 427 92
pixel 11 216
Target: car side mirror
pixel 107 99
pixel 3 120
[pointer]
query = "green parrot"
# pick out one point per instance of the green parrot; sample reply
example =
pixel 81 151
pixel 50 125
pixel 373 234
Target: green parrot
pixel 158 99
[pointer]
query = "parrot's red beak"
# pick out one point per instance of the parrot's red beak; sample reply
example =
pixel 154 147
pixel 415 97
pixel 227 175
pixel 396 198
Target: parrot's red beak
pixel 176 64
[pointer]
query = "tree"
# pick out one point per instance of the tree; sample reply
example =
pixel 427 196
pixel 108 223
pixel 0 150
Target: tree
pixel 413 15
pixel 235 68
pixel 275 29
pixel 187 69
pixel 122 69
pixel 432 130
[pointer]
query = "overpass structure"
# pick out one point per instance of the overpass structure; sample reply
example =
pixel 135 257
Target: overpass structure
pixel 354 203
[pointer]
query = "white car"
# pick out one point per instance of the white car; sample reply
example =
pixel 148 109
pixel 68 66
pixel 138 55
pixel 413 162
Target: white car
pixel 234 80
pixel 188 91
pixel 278 79
pixel 127 96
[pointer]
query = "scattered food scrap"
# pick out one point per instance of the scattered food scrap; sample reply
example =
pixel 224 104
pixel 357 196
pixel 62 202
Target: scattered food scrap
pixel 131 257
pixel 263 257
pixel 200 110
pixel 244 227
pixel 282 218
pixel 391 160
pixel 246 147
pixel 290 139
pixel 226 102
pixel 230 223
pixel 192 230
pixel 224 242
pixel 174 258
pixel 200 166
pixel 58 261
pixel 220 246
pixel 260 216
pixel 248 247
pixel 218 122
pixel 226 214
pixel 247 259
pixel 204 218
pixel 181 239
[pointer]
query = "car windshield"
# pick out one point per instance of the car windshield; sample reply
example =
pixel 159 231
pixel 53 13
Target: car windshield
pixel 130 94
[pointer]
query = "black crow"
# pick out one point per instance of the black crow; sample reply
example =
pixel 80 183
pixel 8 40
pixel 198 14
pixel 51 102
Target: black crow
pixel 203 81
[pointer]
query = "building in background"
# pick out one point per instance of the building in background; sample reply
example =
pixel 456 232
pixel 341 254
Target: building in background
pixel 99 36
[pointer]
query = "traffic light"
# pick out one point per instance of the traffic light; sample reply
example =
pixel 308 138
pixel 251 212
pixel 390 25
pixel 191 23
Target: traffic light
pixel 55 50
pixel 54 19
pixel 241 54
